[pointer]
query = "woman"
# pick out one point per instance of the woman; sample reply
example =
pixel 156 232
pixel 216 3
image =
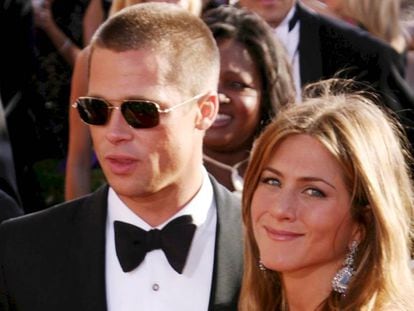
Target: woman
pixel 328 209
pixel 379 17
pixel 255 82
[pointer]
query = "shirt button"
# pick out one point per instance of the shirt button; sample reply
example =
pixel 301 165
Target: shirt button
pixel 155 287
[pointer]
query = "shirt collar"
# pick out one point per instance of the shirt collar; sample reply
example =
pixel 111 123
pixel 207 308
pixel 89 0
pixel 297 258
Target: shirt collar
pixel 198 207
pixel 290 16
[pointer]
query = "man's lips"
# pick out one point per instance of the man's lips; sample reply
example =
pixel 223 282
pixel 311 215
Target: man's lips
pixel 120 164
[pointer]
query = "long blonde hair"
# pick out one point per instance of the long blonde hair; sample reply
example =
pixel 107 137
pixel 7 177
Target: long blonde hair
pixel 379 17
pixel 370 147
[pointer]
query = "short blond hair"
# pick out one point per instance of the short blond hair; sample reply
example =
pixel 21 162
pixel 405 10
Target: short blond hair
pixel 171 31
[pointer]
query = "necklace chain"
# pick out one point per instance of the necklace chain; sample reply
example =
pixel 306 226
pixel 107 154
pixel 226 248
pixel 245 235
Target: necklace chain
pixel 236 179
pixel 227 167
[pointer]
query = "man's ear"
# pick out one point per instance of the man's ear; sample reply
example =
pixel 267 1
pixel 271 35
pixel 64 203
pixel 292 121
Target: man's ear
pixel 208 107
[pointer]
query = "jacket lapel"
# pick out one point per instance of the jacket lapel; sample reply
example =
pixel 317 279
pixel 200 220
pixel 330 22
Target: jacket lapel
pixel 228 258
pixel 310 57
pixel 89 250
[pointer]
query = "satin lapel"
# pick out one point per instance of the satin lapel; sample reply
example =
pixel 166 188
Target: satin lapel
pixel 310 57
pixel 89 238
pixel 228 262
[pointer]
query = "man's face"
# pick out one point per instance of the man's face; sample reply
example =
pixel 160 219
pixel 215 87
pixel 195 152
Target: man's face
pixel 140 162
pixel 272 11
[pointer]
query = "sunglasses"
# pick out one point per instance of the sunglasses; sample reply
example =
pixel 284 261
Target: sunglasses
pixel 138 113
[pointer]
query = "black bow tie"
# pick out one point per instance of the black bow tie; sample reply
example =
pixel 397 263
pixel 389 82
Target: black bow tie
pixel 133 243
pixel 293 20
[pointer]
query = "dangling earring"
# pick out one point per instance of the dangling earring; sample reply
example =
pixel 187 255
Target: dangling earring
pixel 261 266
pixel 343 277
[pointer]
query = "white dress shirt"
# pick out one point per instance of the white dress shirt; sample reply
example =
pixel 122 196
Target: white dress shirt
pixel 154 285
pixel 290 39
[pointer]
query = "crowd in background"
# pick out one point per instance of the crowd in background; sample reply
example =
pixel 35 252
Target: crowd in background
pixel 52 165
pixel 271 125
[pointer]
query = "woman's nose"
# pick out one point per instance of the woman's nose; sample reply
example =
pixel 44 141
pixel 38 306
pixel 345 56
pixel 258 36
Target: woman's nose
pixel 284 206
pixel 223 98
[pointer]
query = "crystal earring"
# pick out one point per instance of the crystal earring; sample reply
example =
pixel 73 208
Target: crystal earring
pixel 261 266
pixel 343 277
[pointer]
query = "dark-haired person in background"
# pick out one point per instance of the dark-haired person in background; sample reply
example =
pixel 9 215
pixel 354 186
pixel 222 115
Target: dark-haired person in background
pixel 320 47
pixel 17 95
pixel 255 82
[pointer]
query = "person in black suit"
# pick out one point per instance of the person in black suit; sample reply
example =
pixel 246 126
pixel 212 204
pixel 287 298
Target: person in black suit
pixel 17 93
pixel 163 235
pixel 321 47
pixel 10 204
pixel 15 65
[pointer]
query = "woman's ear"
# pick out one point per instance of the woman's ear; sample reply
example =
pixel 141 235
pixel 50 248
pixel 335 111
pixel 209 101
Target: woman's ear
pixel 207 111
pixel 358 234
pixel 359 231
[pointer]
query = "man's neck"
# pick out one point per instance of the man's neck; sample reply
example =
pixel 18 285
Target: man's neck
pixel 156 208
pixel 286 17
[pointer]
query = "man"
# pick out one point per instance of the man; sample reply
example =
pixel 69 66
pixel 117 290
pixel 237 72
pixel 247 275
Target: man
pixel 320 47
pixel 151 96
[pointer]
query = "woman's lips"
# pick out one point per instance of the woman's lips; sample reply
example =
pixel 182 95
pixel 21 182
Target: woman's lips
pixel 222 120
pixel 282 235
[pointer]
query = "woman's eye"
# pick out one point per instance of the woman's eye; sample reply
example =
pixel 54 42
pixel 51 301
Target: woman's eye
pixel 315 193
pixel 271 181
pixel 235 85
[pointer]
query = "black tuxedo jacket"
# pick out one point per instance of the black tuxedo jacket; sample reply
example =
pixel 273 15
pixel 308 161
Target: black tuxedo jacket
pixel 54 260
pixel 329 47
pixel 9 207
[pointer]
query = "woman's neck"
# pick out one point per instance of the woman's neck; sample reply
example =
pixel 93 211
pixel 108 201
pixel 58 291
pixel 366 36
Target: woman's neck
pixel 314 287
pixel 227 168
pixel 228 158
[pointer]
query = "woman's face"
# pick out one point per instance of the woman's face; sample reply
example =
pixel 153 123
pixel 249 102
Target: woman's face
pixel 301 210
pixel 240 98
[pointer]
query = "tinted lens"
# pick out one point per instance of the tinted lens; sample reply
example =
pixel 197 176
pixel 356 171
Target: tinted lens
pixel 93 111
pixel 140 114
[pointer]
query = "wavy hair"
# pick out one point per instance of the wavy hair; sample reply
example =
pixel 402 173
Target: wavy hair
pixel 379 17
pixel 371 148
